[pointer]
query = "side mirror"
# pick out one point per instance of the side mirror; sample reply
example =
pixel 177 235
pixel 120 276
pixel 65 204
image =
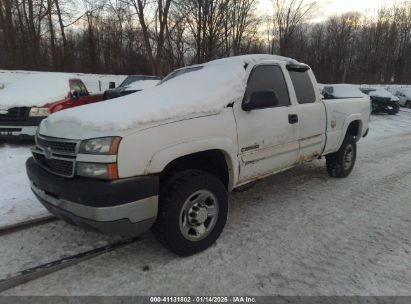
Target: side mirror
pixel 75 95
pixel 261 100
pixel 112 85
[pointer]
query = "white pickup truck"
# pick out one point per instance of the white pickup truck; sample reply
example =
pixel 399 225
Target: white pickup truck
pixel 167 157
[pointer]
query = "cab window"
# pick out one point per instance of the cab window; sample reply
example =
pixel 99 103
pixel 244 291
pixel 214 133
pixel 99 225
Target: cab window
pixel 75 86
pixel 79 87
pixel 83 88
pixel 268 78
pixel 303 87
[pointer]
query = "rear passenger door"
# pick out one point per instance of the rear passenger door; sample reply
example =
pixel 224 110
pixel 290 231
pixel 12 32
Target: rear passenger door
pixel 267 139
pixel 311 113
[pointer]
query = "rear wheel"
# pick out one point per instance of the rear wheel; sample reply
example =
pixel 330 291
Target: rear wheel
pixel 341 163
pixel 193 212
pixel 408 104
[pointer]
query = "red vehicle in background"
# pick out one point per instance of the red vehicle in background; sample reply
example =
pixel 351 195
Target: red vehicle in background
pixel 22 122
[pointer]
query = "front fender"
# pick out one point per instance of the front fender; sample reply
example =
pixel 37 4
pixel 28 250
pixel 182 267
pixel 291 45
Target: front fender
pixel 170 153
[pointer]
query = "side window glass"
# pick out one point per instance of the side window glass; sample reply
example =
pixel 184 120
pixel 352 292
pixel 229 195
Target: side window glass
pixel 268 78
pixel 75 86
pixel 83 88
pixel 303 87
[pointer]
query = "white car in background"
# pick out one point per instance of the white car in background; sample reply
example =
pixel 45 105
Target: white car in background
pixel 404 96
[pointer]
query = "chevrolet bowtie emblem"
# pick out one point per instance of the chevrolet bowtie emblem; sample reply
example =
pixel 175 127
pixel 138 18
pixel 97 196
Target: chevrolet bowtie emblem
pixel 47 153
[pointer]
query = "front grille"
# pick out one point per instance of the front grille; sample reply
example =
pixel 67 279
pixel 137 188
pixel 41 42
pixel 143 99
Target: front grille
pixel 57 146
pixel 56 155
pixel 58 166
pixel 20 113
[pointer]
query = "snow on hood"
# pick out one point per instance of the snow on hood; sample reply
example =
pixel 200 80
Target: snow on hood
pixel 35 90
pixel 384 94
pixel 142 85
pixel 207 90
pixel 343 91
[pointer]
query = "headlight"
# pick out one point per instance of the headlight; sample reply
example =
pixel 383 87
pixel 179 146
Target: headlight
pixel 39 112
pixel 100 171
pixel 104 146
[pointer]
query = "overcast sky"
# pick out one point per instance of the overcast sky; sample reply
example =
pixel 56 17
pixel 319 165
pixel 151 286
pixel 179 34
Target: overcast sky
pixel 326 8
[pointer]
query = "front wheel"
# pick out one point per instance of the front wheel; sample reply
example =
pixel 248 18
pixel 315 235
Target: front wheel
pixel 193 212
pixel 341 163
pixel 394 109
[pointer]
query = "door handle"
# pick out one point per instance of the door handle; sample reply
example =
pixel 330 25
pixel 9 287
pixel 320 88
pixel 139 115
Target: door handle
pixel 293 119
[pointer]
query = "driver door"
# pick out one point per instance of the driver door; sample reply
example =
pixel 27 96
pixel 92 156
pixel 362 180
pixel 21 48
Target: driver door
pixel 267 137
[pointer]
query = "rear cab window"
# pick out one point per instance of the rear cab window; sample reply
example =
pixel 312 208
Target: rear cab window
pixel 268 78
pixel 303 85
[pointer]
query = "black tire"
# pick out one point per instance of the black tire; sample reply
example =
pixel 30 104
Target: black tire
pixel 408 105
pixel 174 197
pixel 337 165
pixel 395 109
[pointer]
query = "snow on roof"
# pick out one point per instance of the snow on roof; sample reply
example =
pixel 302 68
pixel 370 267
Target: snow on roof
pixel 142 85
pixel 343 91
pixel 206 90
pixel 35 90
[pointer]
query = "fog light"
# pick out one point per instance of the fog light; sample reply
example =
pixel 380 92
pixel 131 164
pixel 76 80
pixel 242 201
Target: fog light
pixel 96 170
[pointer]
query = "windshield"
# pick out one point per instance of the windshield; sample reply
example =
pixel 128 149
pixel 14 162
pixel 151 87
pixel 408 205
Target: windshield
pixel 179 73
pixel 130 79
pixel 368 91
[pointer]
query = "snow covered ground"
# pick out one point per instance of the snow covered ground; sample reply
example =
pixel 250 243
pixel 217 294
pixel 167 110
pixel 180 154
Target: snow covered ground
pixel 17 203
pixel 95 83
pixel 296 233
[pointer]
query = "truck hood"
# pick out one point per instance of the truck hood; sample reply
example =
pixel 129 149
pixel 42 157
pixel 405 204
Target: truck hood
pixel 35 90
pixel 206 90
pixel 71 130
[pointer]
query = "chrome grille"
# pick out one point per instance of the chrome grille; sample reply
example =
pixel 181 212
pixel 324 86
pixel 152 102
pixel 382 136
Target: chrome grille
pixel 57 146
pixel 60 167
pixel 56 155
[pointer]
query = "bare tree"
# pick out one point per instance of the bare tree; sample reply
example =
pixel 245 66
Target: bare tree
pixel 157 36
pixel 289 15
pixel 162 9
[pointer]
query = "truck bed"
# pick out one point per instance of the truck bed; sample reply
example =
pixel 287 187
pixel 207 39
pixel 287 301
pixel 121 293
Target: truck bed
pixel 340 112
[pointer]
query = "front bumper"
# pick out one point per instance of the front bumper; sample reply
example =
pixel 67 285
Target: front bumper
pixel 384 105
pixel 19 129
pixel 123 207
pixel 17 132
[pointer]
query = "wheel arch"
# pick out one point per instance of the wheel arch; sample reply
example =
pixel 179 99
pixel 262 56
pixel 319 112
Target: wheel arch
pixel 353 125
pixel 355 129
pixel 219 160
